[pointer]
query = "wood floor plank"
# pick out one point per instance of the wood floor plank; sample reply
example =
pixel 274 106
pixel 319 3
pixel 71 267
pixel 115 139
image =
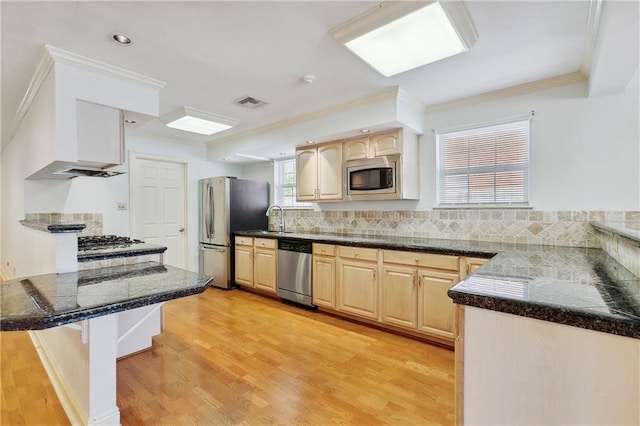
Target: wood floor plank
pixel 233 357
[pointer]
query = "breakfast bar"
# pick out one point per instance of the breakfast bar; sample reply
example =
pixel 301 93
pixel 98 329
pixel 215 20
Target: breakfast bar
pixel 72 319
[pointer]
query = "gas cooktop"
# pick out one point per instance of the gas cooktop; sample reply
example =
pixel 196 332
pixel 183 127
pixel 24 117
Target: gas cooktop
pixel 99 242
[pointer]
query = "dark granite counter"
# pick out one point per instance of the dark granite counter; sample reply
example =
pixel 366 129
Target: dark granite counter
pixel 452 247
pixel 574 286
pixel 127 250
pixel 44 301
pixel 54 228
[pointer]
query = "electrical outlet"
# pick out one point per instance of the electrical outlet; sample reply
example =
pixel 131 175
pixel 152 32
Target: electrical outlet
pixel 122 205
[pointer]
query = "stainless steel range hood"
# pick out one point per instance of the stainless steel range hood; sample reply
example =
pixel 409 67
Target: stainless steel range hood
pixel 86 171
pixel 67 170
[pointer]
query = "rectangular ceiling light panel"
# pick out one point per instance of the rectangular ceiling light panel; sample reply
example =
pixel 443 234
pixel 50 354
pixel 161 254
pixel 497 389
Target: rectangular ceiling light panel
pixel 402 43
pixel 196 121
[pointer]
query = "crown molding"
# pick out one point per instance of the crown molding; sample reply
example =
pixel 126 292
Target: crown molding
pixel 78 61
pixel 51 55
pixel 547 83
pixel 411 101
pixel 593 24
pixel 45 63
pixel 387 94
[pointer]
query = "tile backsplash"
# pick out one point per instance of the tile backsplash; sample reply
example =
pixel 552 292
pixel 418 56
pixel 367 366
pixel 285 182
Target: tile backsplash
pixel 92 220
pixel 555 228
pixel 624 250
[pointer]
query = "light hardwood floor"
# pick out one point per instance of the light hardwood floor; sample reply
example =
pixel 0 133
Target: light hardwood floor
pixel 232 357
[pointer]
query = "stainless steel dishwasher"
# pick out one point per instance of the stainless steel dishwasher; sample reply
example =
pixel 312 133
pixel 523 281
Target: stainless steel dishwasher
pixel 294 271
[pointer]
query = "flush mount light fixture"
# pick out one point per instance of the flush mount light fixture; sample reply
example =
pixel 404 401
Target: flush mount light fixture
pixel 121 38
pixel 252 157
pixel 398 36
pixel 196 121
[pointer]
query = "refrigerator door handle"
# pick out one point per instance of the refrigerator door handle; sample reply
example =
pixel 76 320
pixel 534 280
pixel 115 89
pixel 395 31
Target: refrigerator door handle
pixel 205 202
pixel 211 212
pixel 219 250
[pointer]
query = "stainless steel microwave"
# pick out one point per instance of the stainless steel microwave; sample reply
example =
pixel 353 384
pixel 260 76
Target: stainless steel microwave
pixel 373 179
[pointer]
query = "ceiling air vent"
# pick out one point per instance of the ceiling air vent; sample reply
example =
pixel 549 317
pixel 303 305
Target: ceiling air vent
pixel 251 102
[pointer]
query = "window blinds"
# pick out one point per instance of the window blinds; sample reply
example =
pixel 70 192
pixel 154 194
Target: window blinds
pixel 484 165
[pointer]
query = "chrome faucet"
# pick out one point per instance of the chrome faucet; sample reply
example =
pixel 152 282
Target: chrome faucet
pixel 275 206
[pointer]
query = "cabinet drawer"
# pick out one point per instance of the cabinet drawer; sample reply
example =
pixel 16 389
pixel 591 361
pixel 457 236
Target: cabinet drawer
pixel 424 260
pixel 244 241
pixel 358 253
pixel 324 249
pixel 265 243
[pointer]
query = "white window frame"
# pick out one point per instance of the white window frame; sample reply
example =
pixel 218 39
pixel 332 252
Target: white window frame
pixel 522 122
pixel 279 185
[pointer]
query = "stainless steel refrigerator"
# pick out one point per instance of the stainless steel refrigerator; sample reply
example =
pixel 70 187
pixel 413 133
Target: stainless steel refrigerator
pixel 228 204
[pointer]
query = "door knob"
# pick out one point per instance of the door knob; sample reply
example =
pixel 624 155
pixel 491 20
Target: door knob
pixel 181 229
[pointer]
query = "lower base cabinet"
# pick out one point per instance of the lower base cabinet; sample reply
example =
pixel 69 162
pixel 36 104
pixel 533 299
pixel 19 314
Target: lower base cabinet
pixel 435 308
pixel 257 263
pixel 399 295
pixel 358 288
pixel 244 261
pixel 324 275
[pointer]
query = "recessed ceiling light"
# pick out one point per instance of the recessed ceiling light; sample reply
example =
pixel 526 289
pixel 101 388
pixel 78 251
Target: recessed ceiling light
pixel 310 142
pixel 196 121
pixel 365 131
pixel 121 38
pixel 397 36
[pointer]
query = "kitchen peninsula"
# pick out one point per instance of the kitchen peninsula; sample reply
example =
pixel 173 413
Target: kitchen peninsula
pixel 82 308
pixel 542 332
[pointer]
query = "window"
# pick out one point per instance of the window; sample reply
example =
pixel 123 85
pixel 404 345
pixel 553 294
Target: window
pixel 487 165
pixel 285 184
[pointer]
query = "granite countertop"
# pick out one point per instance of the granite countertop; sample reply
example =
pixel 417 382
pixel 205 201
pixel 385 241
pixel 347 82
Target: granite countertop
pixel 431 245
pixel 124 250
pixel 54 228
pixel 580 287
pixel 44 301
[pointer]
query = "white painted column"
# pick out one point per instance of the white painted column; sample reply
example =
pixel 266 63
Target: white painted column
pixel 80 360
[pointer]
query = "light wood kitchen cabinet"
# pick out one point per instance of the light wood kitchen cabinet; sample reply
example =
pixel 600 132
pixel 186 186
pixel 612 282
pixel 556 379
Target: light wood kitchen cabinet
pixel 244 261
pixel 319 173
pixel 356 148
pixel 265 264
pixel 376 145
pixel 387 143
pixel 357 284
pixel 100 132
pixel 435 308
pixel 414 291
pixel 324 275
pixel 474 263
pixel 399 296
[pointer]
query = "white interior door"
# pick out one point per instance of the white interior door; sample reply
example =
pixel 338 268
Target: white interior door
pixel 158 204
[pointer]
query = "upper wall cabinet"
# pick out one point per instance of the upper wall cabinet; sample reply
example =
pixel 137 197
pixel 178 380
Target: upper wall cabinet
pixel 100 134
pixel 387 143
pixel 319 173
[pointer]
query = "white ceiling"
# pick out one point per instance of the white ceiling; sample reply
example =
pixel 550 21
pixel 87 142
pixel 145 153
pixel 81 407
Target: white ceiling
pixel 212 53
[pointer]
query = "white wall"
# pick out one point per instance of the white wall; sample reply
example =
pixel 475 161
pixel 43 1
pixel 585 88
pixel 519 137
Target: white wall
pixel 585 152
pixel 31 147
